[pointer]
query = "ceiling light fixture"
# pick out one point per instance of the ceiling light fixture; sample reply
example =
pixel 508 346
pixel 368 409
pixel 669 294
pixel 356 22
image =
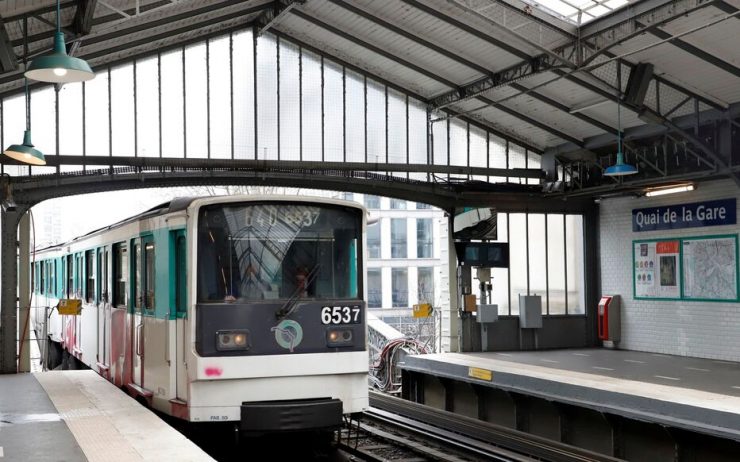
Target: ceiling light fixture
pixel 58 66
pixel 620 168
pixel 26 152
pixel 659 191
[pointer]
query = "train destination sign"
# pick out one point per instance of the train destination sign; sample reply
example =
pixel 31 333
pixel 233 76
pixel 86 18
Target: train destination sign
pixel 697 214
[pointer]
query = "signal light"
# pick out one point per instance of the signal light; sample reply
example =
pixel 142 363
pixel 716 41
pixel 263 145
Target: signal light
pixel 339 337
pixel 229 340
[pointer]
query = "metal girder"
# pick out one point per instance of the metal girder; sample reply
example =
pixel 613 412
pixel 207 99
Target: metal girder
pixel 375 49
pixel 7 55
pixel 532 66
pixel 564 108
pixel 698 52
pixel 83 20
pixel 558 54
pixel 279 9
pixel 456 57
pixel 509 197
pixel 601 40
pixel 267 165
pixel 142 41
pixel 429 74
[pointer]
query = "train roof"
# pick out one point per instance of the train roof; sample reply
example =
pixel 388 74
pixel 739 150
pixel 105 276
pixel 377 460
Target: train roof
pixel 175 205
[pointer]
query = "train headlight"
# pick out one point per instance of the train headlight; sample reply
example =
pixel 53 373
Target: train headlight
pixel 339 337
pixel 228 340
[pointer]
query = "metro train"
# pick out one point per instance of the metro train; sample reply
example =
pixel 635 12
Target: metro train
pixel 244 309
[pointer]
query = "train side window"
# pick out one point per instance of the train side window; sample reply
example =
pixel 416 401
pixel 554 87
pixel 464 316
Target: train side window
pixel 180 274
pixel 90 273
pixel 53 289
pixel 70 275
pixel 120 274
pixel 148 278
pixel 80 272
pixel 103 275
pixel 41 277
pixel 136 263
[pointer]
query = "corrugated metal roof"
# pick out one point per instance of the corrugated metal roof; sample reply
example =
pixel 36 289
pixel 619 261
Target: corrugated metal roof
pixel 473 39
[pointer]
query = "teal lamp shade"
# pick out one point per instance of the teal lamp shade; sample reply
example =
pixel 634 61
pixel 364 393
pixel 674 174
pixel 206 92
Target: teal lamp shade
pixel 58 67
pixel 620 168
pixel 26 152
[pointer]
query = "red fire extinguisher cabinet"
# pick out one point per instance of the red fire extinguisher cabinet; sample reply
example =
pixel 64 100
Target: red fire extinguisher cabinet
pixel 609 319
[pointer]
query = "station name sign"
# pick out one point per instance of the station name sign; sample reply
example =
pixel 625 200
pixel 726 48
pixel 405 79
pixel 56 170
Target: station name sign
pixel 694 215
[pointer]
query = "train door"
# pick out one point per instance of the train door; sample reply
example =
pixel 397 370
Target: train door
pixel 144 284
pixel 137 324
pixel 180 274
pixel 103 313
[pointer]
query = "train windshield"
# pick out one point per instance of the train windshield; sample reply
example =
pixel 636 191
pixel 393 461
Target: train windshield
pixel 279 251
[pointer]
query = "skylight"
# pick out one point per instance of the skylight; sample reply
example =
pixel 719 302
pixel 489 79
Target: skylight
pixel 578 12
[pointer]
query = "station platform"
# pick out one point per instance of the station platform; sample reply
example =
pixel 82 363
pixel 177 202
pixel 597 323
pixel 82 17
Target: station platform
pixel 698 395
pixel 79 416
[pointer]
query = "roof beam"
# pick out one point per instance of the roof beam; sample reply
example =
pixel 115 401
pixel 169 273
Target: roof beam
pixel 698 52
pixel 475 122
pixel 83 20
pixel 271 16
pixel 8 62
pixel 433 76
pixel 457 58
pixel 599 42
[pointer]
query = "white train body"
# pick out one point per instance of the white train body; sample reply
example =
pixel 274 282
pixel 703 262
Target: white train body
pixel 241 308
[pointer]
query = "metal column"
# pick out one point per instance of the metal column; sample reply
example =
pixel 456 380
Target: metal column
pixel 453 314
pixel 8 291
pixel 24 294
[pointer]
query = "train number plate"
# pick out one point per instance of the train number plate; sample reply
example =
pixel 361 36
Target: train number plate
pixel 341 315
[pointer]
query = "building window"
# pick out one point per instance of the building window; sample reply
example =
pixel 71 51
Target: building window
pixel 348 196
pixel 373 240
pixel 372 202
pixel 400 286
pixel 374 288
pixel 90 271
pixel 398 204
pixel 426 285
pixel 424 238
pixel 422 206
pixel 398 238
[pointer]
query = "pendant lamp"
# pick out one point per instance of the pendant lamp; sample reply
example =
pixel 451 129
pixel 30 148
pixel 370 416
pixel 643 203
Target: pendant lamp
pixel 620 168
pixel 58 66
pixel 26 152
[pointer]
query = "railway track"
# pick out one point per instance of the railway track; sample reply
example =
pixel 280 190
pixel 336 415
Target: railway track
pixel 399 430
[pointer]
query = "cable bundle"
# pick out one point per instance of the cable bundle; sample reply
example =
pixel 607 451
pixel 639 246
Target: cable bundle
pixel 385 368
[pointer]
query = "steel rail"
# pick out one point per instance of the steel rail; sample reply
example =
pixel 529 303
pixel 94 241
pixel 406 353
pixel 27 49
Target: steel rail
pixel 514 440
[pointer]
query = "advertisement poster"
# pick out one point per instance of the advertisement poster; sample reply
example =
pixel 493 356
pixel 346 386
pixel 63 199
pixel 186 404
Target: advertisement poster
pixel 657 269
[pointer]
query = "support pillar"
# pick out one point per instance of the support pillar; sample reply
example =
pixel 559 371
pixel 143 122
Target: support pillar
pixel 8 291
pixel 454 313
pixel 24 294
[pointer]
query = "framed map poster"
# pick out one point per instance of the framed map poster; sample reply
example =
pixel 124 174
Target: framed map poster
pixel 701 268
pixel 710 268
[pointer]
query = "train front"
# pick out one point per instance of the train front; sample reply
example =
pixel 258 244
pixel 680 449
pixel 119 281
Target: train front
pixel 280 328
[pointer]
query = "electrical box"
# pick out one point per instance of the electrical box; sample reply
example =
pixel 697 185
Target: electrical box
pixel 530 312
pixel 469 303
pixel 609 318
pixel 487 313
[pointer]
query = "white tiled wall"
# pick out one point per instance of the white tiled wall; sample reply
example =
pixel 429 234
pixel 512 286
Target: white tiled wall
pixel 701 329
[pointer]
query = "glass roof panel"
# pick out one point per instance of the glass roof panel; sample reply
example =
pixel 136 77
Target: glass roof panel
pixel 578 12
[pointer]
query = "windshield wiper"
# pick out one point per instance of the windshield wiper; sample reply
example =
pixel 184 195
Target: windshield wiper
pixel 290 306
